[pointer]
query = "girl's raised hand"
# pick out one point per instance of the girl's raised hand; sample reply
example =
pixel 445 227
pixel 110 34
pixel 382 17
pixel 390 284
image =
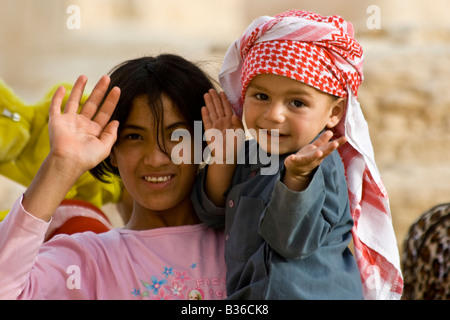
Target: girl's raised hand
pixel 78 142
pixel 84 138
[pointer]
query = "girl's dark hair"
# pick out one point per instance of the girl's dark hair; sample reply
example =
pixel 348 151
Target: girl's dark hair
pixel 180 80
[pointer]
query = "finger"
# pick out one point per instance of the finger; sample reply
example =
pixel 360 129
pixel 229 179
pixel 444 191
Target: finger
pixel 217 103
pixel 92 104
pixel 329 147
pixel 206 118
pixel 302 159
pixel 75 96
pixel 105 112
pixel 341 141
pixel 226 105
pixel 209 104
pixel 55 105
pixel 323 138
pixel 109 134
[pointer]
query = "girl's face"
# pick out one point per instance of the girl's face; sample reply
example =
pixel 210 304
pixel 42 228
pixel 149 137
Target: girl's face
pixel 299 112
pixel 154 182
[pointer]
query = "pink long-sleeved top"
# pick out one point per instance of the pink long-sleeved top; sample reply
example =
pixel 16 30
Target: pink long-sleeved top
pixel 185 262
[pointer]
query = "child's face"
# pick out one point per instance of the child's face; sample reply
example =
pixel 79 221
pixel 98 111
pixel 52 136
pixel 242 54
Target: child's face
pixel 300 112
pixel 149 175
pixel 193 295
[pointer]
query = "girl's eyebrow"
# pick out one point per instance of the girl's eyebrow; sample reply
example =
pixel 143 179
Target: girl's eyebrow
pixel 176 125
pixel 169 127
pixel 133 127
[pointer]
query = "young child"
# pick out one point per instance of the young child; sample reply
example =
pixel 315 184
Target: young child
pixel 293 79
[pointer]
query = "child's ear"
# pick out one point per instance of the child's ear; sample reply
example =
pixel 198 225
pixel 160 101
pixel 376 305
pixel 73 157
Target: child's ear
pixel 337 111
pixel 112 158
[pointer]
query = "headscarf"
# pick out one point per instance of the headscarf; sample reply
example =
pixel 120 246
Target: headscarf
pixel 322 52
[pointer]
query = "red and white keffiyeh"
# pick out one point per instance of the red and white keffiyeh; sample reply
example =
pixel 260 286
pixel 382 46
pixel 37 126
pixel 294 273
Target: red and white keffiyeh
pixel 321 52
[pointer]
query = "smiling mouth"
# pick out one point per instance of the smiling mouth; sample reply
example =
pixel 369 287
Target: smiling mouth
pixel 158 179
pixel 275 134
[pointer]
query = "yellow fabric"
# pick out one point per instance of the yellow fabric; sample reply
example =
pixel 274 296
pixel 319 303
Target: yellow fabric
pixel 24 144
pixel 3 214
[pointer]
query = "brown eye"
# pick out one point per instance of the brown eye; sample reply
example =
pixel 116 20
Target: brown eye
pixel 262 96
pixel 297 103
pixel 133 136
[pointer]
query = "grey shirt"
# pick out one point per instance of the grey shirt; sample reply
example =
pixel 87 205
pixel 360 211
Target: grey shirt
pixel 282 244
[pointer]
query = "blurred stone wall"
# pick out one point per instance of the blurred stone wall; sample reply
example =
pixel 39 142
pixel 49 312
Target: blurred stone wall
pixel 404 96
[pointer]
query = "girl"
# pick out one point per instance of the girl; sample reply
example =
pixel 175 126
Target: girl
pixel 163 252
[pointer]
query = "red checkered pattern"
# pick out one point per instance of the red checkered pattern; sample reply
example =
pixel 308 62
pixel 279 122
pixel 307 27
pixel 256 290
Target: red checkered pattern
pixel 300 61
pixel 321 52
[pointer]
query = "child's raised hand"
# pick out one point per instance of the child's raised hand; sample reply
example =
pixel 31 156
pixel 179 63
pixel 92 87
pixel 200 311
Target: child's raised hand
pixel 217 114
pixel 86 138
pixel 299 166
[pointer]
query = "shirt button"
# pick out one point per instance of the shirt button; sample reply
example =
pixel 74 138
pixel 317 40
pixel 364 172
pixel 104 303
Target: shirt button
pixel 231 203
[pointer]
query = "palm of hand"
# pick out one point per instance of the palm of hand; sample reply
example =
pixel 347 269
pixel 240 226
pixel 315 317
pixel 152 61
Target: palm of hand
pixel 85 137
pixel 310 156
pixel 77 137
pixel 218 116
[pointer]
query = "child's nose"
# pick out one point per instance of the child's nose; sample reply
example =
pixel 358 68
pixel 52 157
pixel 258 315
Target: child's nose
pixel 275 112
pixel 156 157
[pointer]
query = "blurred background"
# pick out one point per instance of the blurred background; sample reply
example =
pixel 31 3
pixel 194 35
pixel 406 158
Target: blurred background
pixel 405 96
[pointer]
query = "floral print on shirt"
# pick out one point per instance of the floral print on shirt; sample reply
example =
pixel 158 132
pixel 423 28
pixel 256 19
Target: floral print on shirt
pixel 176 285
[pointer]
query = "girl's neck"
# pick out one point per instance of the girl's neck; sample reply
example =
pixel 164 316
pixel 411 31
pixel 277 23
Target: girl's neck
pixel 145 219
